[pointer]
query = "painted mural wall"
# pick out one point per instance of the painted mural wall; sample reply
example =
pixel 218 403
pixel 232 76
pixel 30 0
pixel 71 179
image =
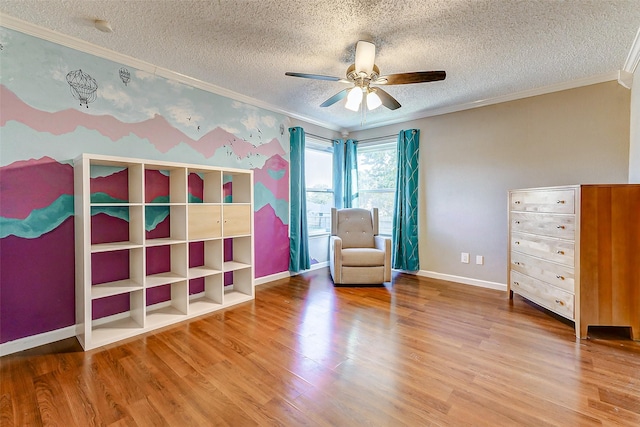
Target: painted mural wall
pixel 56 103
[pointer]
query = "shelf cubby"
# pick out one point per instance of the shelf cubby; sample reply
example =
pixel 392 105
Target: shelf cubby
pixel 237 188
pixel 205 258
pixel 116 317
pixel 205 294
pixel 205 186
pixel 237 267
pixel 166 304
pixel 165 224
pixel 165 264
pixel 116 272
pixel 115 227
pixel 115 182
pixel 164 185
pixel 240 288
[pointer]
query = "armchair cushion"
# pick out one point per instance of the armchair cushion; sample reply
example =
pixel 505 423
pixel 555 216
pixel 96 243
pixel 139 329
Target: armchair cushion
pixel 355 227
pixel 362 257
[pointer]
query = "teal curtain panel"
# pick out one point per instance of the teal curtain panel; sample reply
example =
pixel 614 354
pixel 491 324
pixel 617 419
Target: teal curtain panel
pixel 404 240
pixel 298 234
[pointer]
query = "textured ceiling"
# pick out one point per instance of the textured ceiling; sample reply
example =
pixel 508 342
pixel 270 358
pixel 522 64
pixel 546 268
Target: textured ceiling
pixel 489 48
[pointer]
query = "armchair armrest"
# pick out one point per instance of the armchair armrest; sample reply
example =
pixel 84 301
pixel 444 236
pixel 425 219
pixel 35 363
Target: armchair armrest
pixel 335 258
pixel 384 244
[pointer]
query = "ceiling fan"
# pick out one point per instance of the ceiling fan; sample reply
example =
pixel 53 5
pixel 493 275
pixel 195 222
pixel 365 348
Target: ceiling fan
pixel 365 73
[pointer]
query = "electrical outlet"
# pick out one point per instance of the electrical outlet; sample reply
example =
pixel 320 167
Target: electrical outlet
pixel 464 257
pixel 479 259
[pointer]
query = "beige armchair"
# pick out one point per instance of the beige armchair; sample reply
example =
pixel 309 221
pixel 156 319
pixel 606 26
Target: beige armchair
pixel 357 255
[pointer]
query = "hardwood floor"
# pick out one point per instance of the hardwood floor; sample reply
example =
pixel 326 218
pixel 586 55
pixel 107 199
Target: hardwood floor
pixel 420 352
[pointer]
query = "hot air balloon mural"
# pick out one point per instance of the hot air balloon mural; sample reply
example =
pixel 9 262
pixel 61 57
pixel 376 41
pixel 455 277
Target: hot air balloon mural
pixel 83 87
pixel 125 76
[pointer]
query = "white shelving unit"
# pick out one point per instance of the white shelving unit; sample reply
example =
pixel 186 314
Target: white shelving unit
pixel 176 242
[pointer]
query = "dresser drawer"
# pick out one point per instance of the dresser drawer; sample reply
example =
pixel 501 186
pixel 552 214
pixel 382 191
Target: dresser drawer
pixel 542 293
pixel 557 275
pixel 550 201
pixel 548 248
pixel 552 225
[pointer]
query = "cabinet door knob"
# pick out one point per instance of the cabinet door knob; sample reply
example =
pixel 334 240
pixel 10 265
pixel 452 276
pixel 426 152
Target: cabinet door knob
pixel 560 252
pixel 559 277
pixel 561 202
pixel 560 227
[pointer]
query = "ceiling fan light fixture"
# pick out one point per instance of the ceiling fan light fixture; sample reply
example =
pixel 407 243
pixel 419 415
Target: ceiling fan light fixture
pixel 373 100
pixel 365 55
pixel 354 99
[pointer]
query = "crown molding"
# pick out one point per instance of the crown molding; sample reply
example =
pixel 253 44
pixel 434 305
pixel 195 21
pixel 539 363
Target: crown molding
pixel 631 64
pixel 86 47
pixel 587 81
pixel 28 28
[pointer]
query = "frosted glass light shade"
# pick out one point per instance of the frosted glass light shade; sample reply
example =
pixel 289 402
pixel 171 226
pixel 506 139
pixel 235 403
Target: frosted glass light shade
pixel 354 99
pixel 365 55
pixel 373 100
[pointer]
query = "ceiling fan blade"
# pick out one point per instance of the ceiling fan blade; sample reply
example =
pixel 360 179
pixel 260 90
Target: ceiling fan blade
pixel 313 76
pixel 365 56
pixel 417 77
pixel 387 100
pixel 335 98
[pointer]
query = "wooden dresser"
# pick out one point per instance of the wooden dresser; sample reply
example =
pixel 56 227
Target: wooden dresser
pixel 575 250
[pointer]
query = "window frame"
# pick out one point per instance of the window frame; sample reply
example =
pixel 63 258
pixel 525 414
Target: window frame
pixel 319 145
pixel 363 147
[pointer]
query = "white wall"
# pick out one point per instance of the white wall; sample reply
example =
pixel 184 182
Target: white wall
pixel 470 159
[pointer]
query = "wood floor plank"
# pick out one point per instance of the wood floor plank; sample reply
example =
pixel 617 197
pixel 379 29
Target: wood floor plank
pixel 414 352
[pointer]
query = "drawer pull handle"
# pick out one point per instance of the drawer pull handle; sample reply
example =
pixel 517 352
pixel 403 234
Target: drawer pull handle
pixel 517 222
pixel 560 252
pixel 560 202
pixel 559 302
pixel 517 202
pixel 516 283
pixel 560 227
pixel 517 243
pixel 517 263
pixel 559 277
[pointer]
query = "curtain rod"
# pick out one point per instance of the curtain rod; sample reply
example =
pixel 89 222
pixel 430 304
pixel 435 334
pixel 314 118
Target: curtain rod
pixel 319 137
pixel 378 138
pixel 375 138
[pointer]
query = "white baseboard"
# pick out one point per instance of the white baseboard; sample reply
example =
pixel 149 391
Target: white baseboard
pixel 271 278
pixel 37 340
pixel 463 280
pixel 318 266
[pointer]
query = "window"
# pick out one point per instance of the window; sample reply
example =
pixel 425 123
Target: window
pixel 318 158
pixel 377 180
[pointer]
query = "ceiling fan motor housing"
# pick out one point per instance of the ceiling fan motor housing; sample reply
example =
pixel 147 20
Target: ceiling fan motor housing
pixel 356 77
